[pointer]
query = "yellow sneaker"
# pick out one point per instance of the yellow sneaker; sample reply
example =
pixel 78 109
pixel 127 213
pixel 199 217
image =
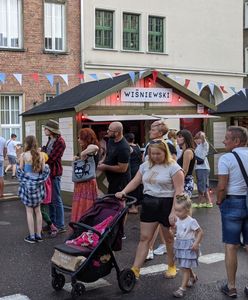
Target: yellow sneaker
pixel 136 272
pixel 171 272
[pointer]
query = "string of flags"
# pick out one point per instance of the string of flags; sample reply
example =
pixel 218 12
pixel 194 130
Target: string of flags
pixel 82 76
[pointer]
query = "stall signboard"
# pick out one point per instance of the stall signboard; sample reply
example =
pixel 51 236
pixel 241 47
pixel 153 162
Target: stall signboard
pixel 146 95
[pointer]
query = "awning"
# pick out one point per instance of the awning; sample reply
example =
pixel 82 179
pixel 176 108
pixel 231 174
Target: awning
pixel 121 118
pixel 195 116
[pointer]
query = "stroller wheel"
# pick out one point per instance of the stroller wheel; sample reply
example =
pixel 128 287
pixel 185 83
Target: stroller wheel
pixel 58 282
pixel 77 290
pixel 126 280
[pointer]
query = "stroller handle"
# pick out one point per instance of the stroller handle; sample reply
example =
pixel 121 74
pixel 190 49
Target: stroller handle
pixel 85 226
pixel 130 200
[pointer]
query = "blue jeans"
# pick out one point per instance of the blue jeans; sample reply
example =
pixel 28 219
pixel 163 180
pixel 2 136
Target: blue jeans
pixel 56 208
pixel 234 217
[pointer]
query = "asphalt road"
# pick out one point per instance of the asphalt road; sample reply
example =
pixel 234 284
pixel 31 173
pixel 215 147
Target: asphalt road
pixel 25 268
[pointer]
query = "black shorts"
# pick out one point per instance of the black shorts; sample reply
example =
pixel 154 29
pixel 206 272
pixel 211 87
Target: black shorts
pixel 156 209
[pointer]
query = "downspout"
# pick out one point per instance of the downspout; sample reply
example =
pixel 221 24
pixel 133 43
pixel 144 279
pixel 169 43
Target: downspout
pixel 82 37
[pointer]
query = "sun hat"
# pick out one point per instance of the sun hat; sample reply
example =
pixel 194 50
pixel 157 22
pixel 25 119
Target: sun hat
pixel 53 126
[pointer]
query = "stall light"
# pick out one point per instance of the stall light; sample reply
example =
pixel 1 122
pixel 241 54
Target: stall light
pixel 179 99
pixel 83 118
pixel 149 82
pixel 118 96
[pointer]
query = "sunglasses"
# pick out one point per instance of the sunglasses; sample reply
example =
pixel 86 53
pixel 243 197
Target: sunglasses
pixel 156 142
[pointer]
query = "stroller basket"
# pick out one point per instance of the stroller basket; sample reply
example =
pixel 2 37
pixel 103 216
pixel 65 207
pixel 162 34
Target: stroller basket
pixel 88 253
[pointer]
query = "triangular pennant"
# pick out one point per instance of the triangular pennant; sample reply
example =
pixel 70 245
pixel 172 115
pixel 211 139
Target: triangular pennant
pixel 199 85
pixel 80 76
pixel 166 74
pixel 223 89
pixel 2 77
pixel 117 73
pixel 154 75
pixel 65 78
pixel 186 83
pixel 141 73
pixel 94 76
pixel 211 87
pixel 108 75
pixel 177 77
pixel 50 78
pixel 18 77
pixel 35 77
pixel 132 76
pixel 233 89
pixel 243 91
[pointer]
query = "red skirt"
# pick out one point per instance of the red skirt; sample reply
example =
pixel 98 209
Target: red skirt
pixel 84 196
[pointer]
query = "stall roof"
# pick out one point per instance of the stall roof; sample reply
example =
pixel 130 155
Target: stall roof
pixel 234 104
pixel 86 94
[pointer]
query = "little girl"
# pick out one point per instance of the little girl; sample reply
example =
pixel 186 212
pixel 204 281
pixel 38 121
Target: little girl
pixel 32 173
pixel 188 238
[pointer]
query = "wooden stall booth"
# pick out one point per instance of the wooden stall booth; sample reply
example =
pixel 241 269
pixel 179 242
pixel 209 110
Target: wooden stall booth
pixel 136 102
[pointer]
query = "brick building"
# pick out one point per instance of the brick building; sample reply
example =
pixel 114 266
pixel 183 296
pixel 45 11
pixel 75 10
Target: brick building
pixel 39 40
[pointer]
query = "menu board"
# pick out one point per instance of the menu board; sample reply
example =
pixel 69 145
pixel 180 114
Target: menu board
pixel 219 131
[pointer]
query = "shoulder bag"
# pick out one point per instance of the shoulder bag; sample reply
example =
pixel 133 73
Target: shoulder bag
pixel 242 168
pixel 83 170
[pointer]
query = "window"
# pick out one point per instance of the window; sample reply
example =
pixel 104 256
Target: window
pixel 104 29
pixel 156 34
pixel 246 15
pixel 130 32
pixel 10 24
pixel 10 109
pixel 54 27
pixel 246 60
pixel 49 97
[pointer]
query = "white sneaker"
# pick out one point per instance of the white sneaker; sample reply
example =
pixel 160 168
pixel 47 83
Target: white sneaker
pixel 160 250
pixel 150 255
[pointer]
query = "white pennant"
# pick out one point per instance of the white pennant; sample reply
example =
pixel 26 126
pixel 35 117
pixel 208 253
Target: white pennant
pixel 211 87
pixel 18 77
pixel 243 91
pixel 108 75
pixel 64 77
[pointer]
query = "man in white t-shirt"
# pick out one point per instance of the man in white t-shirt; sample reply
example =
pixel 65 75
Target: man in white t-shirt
pixel 12 146
pixel 2 155
pixel 232 199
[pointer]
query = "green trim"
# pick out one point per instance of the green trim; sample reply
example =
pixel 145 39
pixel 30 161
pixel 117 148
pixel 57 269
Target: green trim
pixel 130 35
pixel 104 28
pixel 155 34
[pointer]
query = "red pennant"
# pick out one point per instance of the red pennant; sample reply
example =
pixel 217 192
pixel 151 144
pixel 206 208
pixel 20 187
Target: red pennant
pixel 116 74
pixel 187 82
pixel 35 77
pixel 154 75
pixel 80 76
pixel 223 89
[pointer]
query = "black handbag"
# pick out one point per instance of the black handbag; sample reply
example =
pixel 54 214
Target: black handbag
pixel 83 170
pixel 242 168
pixel 199 161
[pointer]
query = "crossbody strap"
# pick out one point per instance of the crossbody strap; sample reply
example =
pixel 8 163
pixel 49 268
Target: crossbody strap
pixel 242 168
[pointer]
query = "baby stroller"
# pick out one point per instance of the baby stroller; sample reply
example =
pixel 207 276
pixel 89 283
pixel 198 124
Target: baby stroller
pixel 93 261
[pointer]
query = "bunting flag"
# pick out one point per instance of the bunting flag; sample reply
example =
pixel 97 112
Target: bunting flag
pixel 154 75
pixel 233 89
pixel 2 77
pixel 211 87
pixel 108 75
pixel 50 78
pixel 117 73
pixel 186 83
pixel 80 76
pixel 65 78
pixel 18 77
pixel 94 76
pixel 141 73
pixel 132 76
pixel 177 77
pixel 199 85
pixel 243 91
pixel 223 89
pixel 166 74
pixel 35 77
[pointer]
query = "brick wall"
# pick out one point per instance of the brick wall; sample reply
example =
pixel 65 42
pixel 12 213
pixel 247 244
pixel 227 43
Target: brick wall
pixel 32 58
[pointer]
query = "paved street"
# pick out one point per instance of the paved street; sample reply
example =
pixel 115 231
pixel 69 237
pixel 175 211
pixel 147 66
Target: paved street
pixel 25 268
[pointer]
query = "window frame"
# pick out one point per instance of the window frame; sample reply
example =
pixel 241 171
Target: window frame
pixel 101 46
pixel 20 26
pixel 246 60
pixel 246 15
pixel 130 31
pixel 10 125
pixel 163 34
pixel 64 27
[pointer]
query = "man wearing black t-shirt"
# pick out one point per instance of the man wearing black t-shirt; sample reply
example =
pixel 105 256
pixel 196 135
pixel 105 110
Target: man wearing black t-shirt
pixel 116 163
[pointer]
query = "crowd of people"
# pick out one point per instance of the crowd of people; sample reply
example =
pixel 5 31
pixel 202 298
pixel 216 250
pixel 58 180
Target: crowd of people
pixel 162 179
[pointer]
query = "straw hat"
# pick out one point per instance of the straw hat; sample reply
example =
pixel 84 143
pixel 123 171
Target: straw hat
pixel 53 126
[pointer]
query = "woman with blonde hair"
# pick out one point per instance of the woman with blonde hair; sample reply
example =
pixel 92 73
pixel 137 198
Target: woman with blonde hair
pixel 32 174
pixel 162 178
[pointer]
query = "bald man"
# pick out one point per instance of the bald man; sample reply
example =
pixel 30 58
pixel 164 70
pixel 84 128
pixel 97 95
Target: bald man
pixel 116 163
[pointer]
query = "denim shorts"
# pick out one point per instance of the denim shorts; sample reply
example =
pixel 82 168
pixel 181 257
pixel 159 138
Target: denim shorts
pixel 234 217
pixel 202 179
pixel 12 159
pixel 1 168
pixel 156 209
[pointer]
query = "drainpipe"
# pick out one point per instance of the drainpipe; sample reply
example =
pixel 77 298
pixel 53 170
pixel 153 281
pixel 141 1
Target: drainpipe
pixel 82 36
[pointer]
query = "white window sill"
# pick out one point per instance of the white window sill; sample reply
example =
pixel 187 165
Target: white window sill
pixel 157 53
pixel 105 49
pixel 133 51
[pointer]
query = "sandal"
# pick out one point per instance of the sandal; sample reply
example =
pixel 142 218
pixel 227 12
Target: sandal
pixel 179 293
pixel 171 272
pixel 192 281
